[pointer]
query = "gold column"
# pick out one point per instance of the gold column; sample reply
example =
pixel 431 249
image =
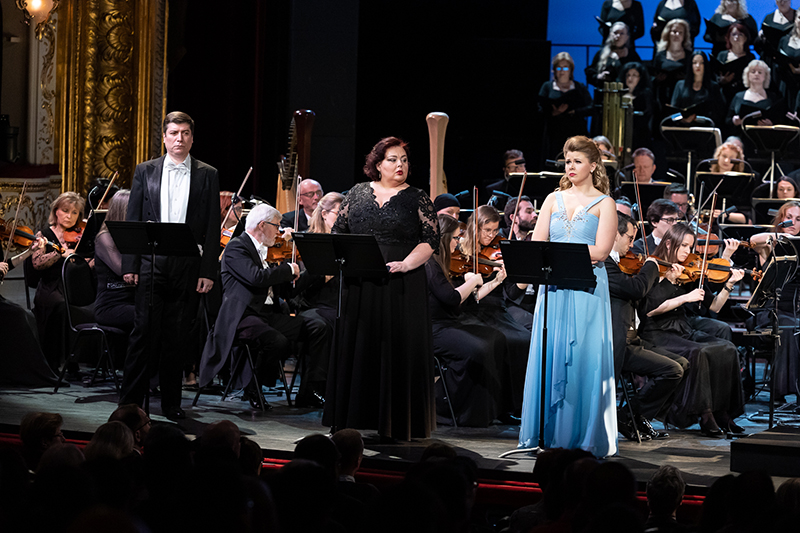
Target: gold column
pixel 111 68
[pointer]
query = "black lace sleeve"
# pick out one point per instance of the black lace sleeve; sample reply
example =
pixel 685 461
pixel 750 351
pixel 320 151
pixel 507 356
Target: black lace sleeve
pixel 342 225
pixel 429 225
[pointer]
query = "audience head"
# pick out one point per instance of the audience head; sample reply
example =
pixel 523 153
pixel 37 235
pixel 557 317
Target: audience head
pixel 222 434
pixel 325 214
pixel 513 161
pixel 788 211
pixel 786 188
pixel 251 457
pixel 39 431
pixel 438 451
pixel 309 192
pixel 66 210
pixel 320 449
pixel 61 455
pixel 563 67
pixel 676 31
pixel 304 494
pixel 665 491
pixel 586 147
pixel 788 496
pixel 378 154
pixel 448 204
pixel 756 74
pixel 624 206
pixel 676 244
pixel 644 164
pixel 351 447
pixel 678 194
pixel 113 440
pixel 136 419
pixel 263 223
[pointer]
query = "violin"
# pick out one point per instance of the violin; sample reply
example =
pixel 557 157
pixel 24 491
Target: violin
pixel 460 264
pixel 72 236
pixel 717 270
pixel 23 236
pixel 281 251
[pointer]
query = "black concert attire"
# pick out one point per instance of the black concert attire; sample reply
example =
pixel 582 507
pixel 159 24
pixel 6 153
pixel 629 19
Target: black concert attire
pixel 788 82
pixel 772 106
pixel 737 66
pixel 48 306
pixel 638 244
pixel 631 353
pixel 520 303
pixel 22 362
pixel 644 102
pixel 159 341
pixel 559 128
pixel 287 220
pixel 245 313
pixel 767 45
pixel 713 380
pixel 472 352
pixel 688 12
pixel 673 71
pixel 708 99
pixel 633 17
pixel 614 67
pixel 381 372
pixel 115 301
pixel 718 28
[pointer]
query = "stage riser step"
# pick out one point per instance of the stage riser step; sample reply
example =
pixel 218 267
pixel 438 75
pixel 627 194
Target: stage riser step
pixel 775 451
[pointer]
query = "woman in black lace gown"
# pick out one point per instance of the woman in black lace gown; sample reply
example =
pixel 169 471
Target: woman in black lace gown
pixel 381 373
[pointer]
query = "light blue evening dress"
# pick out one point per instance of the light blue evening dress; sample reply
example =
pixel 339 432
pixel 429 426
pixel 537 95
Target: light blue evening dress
pixel 580 390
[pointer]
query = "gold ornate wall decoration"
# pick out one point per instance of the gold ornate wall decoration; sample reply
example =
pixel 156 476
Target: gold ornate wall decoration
pixel 46 126
pixel 107 54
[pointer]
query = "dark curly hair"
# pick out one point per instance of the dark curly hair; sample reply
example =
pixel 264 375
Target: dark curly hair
pixel 378 154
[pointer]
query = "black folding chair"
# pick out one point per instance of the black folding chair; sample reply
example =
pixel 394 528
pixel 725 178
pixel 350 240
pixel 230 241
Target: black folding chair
pixel 80 290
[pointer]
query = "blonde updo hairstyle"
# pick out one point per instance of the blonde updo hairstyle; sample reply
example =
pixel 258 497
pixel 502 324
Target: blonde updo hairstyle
pixel 588 148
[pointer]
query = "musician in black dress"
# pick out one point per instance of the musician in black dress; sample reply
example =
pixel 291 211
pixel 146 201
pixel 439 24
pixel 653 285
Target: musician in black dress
pixel 788 63
pixel 668 10
pixel 727 13
pixel 115 301
pixel 756 79
pixel 671 62
pixel 381 372
pixel 786 362
pixel 635 78
pixel 699 90
pixel 565 104
pixel 472 352
pixel 607 64
pixel 712 389
pixel 627 11
pixel 731 62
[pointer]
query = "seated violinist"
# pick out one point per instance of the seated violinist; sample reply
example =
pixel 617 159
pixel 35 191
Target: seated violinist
pixel 712 389
pixel 493 307
pixel 664 369
pixel 309 192
pixel 250 310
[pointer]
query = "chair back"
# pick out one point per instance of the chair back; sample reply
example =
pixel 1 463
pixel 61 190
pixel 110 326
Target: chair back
pixel 80 287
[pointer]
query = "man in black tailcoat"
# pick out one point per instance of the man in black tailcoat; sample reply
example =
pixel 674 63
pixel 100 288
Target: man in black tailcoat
pixel 664 370
pixel 248 309
pixel 172 188
pixel 309 193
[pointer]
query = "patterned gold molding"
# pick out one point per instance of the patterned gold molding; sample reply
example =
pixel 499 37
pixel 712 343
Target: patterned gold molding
pixel 111 68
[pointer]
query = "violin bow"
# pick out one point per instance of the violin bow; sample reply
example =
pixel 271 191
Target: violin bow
pixel 238 195
pixel 519 198
pixel 641 218
pixel 6 258
pixel 705 250
pixel 110 184
pixel 296 220
pixel 475 236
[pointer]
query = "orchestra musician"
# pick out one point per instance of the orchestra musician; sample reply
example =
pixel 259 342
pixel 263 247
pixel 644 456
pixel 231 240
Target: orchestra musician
pixel 712 390
pixel 115 301
pixel 513 161
pixel 491 308
pixel 246 313
pixel 579 397
pixel 663 368
pixel 519 228
pixel 472 352
pixel 786 362
pixel 448 204
pixel 679 195
pixel 309 192
pixel 173 188
pixel 380 375
pixel 661 214
pixel 48 303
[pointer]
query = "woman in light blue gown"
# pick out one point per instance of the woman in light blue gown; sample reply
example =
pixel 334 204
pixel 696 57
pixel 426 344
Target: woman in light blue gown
pixel 580 395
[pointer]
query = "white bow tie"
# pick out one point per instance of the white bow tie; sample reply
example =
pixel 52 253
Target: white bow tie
pixel 169 164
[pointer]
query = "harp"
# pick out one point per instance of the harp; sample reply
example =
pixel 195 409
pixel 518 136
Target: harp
pixel 297 160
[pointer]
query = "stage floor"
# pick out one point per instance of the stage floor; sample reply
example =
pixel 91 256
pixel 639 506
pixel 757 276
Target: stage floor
pixel 701 459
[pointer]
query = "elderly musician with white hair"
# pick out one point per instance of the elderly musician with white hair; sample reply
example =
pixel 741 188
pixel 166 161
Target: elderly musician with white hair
pixel 309 193
pixel 248 309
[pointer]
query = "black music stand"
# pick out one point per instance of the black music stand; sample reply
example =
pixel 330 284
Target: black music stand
pixel 85 247
pixel 773 139
pixel 342 254
pixel 742 232
pixel 153 238
pixel 765 298
pixel 763 206
pixel 693 140
pixel 731 184
pixel 562 264
pixel 648 192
